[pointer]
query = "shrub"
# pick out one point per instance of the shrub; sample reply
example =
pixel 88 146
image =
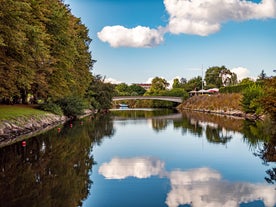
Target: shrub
pixel 72 106
pixel 250 98
pixel 51 107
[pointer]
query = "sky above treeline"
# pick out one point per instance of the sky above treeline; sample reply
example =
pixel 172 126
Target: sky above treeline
pixel 134 41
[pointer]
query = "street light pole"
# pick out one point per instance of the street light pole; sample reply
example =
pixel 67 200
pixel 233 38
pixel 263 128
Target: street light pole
pixel 202 78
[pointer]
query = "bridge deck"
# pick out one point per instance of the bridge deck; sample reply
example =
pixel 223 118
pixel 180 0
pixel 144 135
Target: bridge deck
pixel 163 98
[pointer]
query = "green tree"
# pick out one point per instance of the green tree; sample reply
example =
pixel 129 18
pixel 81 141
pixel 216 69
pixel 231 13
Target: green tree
pixel 176 83
pixel 44 51
pixel 268 100
pixel 246 81
pixel 99 93
pixel 217 77
pixel 193 84
pixel 136 90
pixel 262 76
pixel 157 84
pixel 122 89
pixel 250 98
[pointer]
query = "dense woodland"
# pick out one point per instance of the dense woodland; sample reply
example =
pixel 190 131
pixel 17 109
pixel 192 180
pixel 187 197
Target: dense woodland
pixel 45 58
pixel 44 53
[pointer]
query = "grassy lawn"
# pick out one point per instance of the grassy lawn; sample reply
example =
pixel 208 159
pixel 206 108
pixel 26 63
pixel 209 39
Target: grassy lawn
pixel 8 112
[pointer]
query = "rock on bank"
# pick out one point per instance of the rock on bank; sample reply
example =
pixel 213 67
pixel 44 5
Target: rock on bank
pixel 11 129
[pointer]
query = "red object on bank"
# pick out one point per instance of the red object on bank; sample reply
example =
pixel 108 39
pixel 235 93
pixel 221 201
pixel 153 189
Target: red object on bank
pixel 24 143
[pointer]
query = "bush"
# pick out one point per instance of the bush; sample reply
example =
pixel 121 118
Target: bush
pixel 72 106
pixel 51 107
pixel 250 98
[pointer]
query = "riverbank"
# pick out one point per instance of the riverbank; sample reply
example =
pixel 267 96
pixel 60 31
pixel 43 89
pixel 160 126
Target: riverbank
pixel 226 104
pixel 26 121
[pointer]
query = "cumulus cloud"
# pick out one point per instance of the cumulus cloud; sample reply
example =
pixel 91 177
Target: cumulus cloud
pixel 139 167
pixel 204 17
pixel 204 187
pixel 112 80
pixel 119 36
pixel 198 17
pixel 199 187
pixel 241 72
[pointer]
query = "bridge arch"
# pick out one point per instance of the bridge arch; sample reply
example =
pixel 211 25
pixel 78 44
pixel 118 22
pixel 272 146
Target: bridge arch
pixel 162 98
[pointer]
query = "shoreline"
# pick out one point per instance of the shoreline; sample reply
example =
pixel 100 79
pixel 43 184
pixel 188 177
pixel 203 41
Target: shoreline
pixel 12 131
pixel 232 113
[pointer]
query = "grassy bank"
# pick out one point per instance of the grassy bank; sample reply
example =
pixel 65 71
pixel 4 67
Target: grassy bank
pixel 12 112
pixel 215 103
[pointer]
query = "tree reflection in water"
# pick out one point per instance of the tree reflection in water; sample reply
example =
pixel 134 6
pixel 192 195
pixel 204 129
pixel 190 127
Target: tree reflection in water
pixel 53 169
pixel 260 136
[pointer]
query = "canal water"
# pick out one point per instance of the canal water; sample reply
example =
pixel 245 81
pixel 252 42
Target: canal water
pixel 149 158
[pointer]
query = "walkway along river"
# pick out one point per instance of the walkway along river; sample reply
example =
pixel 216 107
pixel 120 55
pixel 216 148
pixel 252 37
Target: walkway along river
pixel 143 158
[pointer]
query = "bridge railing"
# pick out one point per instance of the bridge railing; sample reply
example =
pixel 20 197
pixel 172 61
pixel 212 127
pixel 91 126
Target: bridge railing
pixel 164 98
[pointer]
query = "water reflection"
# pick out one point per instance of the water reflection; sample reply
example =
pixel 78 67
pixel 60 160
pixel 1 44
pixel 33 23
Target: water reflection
pixel 53 168
pixel 199 187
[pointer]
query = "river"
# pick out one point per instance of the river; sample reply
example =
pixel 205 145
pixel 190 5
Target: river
pixel 149 158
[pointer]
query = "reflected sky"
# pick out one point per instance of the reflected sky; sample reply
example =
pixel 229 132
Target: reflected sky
pixel 199 187
pixel 178 161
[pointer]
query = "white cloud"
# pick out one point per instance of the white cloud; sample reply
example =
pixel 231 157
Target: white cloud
pixel 112 80
pixel 204 17
pixel 198 17
pixel 139 167
pixel 199 187
pixel 119 36
pixel 204 187
pixel 241 72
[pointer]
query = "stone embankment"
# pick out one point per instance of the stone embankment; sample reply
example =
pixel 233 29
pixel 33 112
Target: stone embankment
pixel 22 127
pixel 11 129
pixel 224 104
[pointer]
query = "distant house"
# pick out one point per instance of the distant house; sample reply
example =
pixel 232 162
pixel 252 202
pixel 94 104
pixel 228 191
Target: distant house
pixel 209 91
pixel 146 86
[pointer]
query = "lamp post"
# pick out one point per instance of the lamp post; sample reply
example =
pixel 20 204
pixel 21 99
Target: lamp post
pixel 202 78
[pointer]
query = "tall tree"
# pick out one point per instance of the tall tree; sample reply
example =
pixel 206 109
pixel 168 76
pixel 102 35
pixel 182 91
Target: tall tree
pixel 268 100
pixel 44 50
pixel 219 76
pixel 157 84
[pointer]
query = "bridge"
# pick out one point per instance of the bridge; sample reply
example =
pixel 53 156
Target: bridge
pixel 162 98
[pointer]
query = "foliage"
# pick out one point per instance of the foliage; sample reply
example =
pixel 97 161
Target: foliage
pixel 157 84
pixel 44 51
pixel 177 92
pixel 193 84
pixel 250 98
pixel 219 76
pixel 123 89
pixel 235 89
pixel 246 81
pixel 51 107
pixel 262 76
pixel 136 90
pixel 99 94
pixel 72 106
pixel 268 100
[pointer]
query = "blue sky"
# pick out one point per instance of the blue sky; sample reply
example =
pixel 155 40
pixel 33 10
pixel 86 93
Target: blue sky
pixel 135 40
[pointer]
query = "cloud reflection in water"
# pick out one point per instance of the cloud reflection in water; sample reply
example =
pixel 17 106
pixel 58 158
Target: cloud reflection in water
pixel 201 186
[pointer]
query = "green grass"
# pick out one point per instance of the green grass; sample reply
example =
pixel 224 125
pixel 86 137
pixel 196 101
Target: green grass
pixel 10 112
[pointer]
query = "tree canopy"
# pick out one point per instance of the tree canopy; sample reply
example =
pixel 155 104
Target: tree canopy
pixel 217 77
pixel 44 51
